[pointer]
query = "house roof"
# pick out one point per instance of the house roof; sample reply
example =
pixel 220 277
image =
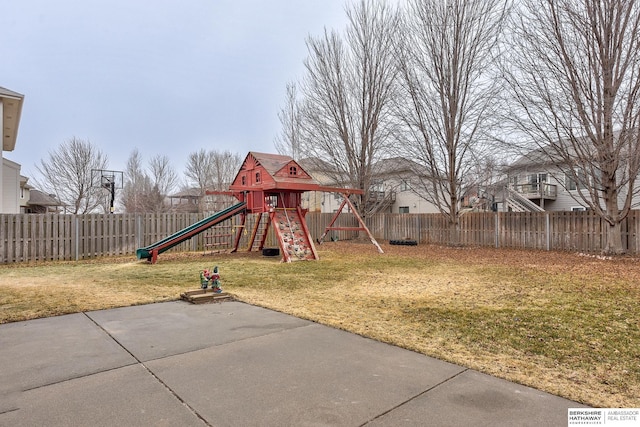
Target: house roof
pixel 559 152
pixel 316 164
pixel 397 165
pixel 393 165
pixel 538 158
pixel 38 198
pixel 187 193
pixel 24 182
pixel 11 111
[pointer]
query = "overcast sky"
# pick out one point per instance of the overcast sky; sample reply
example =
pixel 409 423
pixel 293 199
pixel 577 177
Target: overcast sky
pixel 168 77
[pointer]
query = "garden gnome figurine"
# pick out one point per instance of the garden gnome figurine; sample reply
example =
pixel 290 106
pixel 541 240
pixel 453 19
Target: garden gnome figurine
pixel 215 280
pixel 204 278
pixel 207 276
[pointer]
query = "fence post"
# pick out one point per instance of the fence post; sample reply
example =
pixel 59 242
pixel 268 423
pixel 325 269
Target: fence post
pixel 76 237
pixel 497 222
pixel 548 230
pixel 138 231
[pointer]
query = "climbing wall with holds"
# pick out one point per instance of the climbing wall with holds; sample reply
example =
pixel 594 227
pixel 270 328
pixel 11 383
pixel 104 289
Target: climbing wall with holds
pixel 293 235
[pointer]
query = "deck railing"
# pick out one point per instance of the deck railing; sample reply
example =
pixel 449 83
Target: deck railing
pixel 537 190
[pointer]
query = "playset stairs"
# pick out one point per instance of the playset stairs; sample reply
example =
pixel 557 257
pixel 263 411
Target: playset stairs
pixel 293 235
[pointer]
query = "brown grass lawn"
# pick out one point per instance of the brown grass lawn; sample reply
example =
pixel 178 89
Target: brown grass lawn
pixel 565 323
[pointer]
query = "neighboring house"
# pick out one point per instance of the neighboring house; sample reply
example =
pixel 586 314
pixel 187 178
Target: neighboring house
pixel 187 200
pixel 322 172
pixel 480 199
pixel 191 200
pixel 41 203
pixel 10 111
pixel 25 191
pixel 10 187
pixel 34 201
pixel 536 183
pixel 394 187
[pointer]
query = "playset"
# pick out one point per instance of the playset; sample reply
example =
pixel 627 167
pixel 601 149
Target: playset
pixel 271 186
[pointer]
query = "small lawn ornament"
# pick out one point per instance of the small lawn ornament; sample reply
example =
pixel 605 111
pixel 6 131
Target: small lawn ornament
pixel 208 276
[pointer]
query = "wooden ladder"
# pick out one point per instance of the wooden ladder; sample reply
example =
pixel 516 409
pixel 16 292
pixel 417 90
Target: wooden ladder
pixel 259 233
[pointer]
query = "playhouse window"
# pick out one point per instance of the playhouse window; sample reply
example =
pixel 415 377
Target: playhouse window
pixel 293 170
pixel 257 176
pixel 244 180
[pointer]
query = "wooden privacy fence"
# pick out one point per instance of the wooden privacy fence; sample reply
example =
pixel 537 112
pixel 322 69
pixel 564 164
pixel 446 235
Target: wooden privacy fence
pixel 564 231
pixel 32 237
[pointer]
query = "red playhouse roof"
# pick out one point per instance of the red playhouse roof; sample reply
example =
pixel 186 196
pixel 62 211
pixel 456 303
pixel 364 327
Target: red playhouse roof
pixel 261 171
pixel 275 172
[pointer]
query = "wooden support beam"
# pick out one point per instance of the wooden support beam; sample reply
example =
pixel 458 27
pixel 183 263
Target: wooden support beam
pixel 239 232
pixel 355 212
pixel 362 227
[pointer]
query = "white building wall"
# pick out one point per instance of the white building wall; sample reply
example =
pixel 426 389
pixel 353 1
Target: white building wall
pixel 10 187
pixel 23 198
pixel 416 204
pixel 331 202
pixel 1 157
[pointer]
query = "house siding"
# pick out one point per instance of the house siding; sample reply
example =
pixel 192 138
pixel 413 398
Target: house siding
pixel 1 157
pixel 415 203
pixel 566 199
pixel 10 187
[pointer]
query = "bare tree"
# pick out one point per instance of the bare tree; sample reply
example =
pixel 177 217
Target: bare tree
pixel 225 167
pixel 199 170
pixel 346 95
pixel 67 174
pixel 575 74
pixel 289 140
pixel 145 191
pixel 162 174
pixel 448 96
pixel 134 185
pixel 212 170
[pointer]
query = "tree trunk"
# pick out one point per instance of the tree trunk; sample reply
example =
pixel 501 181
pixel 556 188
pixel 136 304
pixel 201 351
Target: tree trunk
pixel 614 240
pixel 454 232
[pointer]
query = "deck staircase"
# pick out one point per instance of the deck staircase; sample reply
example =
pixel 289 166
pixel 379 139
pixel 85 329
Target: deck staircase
pixel 519 203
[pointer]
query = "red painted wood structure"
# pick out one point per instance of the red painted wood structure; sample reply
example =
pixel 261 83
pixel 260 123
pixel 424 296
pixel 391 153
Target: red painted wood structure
pixel 273 184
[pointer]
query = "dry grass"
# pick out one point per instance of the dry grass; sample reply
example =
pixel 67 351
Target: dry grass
pixel 560 322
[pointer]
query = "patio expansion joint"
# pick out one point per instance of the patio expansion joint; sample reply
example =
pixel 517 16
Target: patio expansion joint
pixel 9 410
pixel 77 377
pixel 150 372
pixel 229 343
pixel 422 393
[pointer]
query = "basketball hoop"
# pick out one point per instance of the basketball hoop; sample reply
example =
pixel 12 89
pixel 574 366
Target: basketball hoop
pixel 110 181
